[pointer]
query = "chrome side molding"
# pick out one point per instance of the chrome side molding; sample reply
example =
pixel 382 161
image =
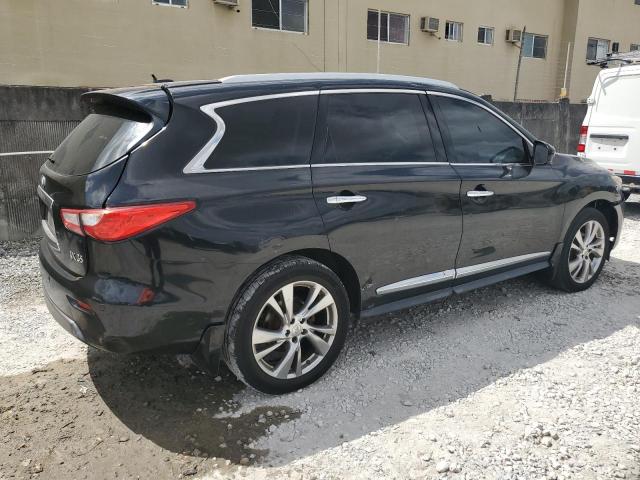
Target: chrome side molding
pixel 433 278
pixel 416 282
pixel 505 262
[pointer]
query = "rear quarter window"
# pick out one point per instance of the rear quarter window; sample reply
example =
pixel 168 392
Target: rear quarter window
pixel 266 133
pixel 99 140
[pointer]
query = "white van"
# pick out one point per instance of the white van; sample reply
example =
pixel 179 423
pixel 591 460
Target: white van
pixel 610 133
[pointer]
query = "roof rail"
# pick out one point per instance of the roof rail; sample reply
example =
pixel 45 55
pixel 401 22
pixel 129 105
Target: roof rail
pixel 626 58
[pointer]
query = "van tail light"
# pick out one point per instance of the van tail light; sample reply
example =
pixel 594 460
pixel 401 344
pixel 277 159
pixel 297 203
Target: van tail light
pixel 582 143
pixel 119 223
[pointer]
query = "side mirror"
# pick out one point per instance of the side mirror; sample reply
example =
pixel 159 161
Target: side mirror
pixel 542 152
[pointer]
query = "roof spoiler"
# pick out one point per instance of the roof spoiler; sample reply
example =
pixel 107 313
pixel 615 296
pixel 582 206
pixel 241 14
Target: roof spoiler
pixel 152 100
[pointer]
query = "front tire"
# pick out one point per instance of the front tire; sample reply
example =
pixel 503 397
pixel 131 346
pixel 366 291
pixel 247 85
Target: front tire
pixel 287 325
pixel 586 246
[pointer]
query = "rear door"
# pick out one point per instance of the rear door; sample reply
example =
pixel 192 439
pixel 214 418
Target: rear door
pixel 389 200
pixel 613 135
pixel 512 212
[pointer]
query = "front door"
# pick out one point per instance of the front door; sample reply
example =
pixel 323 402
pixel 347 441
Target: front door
pixel 512 212
pixel 389 202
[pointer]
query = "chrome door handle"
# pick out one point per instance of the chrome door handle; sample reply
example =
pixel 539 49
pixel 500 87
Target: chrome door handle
pixel 339 200
pixel 479 193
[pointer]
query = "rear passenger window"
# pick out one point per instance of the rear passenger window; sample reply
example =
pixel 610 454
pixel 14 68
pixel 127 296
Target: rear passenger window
pixel 479 136
pixel 377 128
pixel 266 133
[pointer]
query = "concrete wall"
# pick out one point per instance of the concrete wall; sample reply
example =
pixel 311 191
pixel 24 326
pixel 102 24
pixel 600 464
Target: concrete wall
pixel 109 43
pixel 38 119
pixel 557 123
pixel 32 119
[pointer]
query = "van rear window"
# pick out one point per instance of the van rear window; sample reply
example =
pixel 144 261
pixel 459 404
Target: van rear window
pixel 99 140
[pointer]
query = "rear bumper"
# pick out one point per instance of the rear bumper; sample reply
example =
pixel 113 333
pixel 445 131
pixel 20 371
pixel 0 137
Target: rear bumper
pixel 120 327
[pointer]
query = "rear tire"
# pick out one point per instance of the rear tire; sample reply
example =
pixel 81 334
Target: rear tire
pixel 585 248
pixel 287 325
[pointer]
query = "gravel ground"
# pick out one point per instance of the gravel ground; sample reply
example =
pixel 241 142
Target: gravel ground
pixel 511 381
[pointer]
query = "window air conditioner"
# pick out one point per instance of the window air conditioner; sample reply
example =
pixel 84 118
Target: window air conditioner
pixel 514 35
pixel 429 24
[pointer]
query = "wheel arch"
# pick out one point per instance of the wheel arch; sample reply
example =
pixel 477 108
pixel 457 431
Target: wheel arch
pixel 607 209
pixel 336 263
pixel 342 268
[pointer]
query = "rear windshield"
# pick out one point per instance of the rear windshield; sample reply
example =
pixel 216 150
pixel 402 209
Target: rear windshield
pixel 100 139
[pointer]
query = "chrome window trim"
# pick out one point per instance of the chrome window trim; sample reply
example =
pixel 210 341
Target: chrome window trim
pixel 433 278
pixel 478 104
pixel 256 169
pixel 196 164
pixel 338 91
pixel 493 164
pixel 375 164
pixel 416 282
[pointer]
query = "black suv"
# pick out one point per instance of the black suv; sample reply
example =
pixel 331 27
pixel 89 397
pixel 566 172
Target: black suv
pixel 248 219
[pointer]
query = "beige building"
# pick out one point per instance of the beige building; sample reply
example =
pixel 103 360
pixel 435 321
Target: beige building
pixel 105 43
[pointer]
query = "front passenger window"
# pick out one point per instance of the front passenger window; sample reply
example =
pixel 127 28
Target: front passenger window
pixel 479 136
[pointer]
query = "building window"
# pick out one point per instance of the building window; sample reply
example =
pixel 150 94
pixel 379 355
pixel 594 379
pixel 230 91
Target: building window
pixel 634 46
pixel 285 15
pixel 485 35
pixel 534 46
pixel 453 31
pixel 597 48
pixel 172 3
pixel 394 27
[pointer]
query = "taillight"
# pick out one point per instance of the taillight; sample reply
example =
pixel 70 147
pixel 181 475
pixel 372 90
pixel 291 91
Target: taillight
pixel 120 223
pixel 582 142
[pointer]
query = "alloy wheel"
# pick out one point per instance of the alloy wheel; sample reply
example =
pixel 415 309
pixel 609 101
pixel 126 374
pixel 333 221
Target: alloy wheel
pixel 587 251
pixel 294 330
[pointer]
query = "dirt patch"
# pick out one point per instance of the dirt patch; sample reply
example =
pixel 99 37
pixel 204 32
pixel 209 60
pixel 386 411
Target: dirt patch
pixel 108 416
